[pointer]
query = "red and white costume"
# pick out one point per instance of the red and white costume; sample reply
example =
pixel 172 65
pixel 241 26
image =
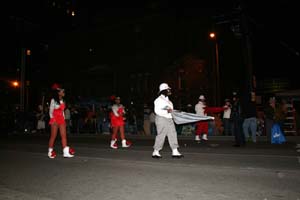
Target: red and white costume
pixel 56 112
pixel 57 118
pixel 202 110
pixel 201 126
pixel 117 115
pixel 117 123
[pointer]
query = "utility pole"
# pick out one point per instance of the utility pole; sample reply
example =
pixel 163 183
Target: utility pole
pixel 246 35
pixel 240 26
pixel 216 69
pixel 22 79
pixel 218 90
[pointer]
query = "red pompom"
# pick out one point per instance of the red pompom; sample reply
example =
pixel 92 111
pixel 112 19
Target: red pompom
pixel 55 86
pixel 72 151
pixel 112 97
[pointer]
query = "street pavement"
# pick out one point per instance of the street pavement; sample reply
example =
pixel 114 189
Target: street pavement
pixel 213 170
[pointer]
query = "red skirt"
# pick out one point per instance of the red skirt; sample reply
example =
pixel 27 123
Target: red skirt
pixel 116 121
pixel 58 117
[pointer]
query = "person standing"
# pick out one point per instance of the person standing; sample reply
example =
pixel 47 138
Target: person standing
pixel 100 117
pixel 226 118
pixel 147 129
pixel 40 115
pixel 250 120
pixel 269 112
pixel 165 126
pixel 68 119
pixel 236 118
pixel 152 122
pixel 201 126
pixel 117 117
pixel 57 122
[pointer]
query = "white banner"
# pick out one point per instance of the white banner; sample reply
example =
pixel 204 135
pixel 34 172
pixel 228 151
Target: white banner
pixel 181 117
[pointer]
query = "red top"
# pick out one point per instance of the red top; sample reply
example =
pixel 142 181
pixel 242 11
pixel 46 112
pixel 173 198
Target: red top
pixel 58 115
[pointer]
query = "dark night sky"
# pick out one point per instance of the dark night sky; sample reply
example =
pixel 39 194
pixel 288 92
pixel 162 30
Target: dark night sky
pixel 40 25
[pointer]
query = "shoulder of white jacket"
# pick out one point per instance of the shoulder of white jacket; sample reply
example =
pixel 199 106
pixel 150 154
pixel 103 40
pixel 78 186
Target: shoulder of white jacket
pixel 157 99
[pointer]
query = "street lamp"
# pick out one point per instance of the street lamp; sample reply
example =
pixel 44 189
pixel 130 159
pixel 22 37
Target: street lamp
pixel 212 35
pixel 15 83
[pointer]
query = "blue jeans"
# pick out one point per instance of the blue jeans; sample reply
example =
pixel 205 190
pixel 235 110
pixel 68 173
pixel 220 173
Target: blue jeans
pixel 250 124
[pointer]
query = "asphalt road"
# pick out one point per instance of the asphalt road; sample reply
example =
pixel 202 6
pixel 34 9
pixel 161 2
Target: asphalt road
pixel 209 171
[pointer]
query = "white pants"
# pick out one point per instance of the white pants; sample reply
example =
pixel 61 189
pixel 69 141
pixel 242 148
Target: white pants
pixel 165 127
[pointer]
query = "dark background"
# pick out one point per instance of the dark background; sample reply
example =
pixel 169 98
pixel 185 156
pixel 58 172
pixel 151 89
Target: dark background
pixel 128 48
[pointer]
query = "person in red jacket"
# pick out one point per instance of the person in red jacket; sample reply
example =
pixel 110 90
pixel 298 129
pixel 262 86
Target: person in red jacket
pixel 117 120
pixel 57 122
pixel 202 126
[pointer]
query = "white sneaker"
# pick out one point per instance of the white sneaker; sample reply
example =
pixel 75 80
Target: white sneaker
pixel 156 154
pixel 204 137
pixel 51 153
pixel 197 138
pixel 176 154
pixel 67 152
pixel 113 144
pixel 126 144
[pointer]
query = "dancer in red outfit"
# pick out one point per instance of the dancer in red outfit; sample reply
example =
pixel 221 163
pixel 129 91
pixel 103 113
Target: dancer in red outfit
pixel 57 122
pixel 117 123
pixel 202 126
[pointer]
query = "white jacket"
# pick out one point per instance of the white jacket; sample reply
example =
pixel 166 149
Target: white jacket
pixel 200 108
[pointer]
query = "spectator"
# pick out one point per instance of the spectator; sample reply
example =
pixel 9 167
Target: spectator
pixel 40 117
pixel 226 118
pixel 152 122
pixel 250 120
pixel 68 118
pixel 100 117
pixel 237 120
pixel 147 120
pixel 269 111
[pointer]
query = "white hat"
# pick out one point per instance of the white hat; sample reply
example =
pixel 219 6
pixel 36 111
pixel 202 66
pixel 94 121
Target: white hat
pixel 202 97
pixel 163 86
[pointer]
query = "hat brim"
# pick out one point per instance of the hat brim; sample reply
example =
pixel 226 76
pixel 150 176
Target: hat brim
pixel 163 90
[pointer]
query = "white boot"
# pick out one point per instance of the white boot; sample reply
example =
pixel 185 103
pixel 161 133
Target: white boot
pixel 67 153
pixel 51 153
pixel 113 144
pixel 126 143
pixel 204 137
pixel 197 138
pixel 176 154
pixel 156 154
